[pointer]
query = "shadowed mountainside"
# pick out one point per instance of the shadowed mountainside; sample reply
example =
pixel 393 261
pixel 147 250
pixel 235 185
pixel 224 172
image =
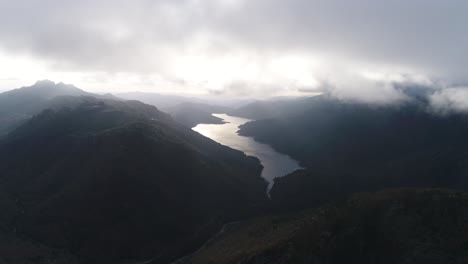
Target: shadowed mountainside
pixel 395 226
pixel 275 108
pixel 350 147
pixel 191 114
pixel 94 180
pixel 118 181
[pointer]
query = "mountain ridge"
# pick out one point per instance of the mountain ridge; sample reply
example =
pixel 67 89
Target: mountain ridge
pixel 392 226
pixel 71 170
pixel 18 105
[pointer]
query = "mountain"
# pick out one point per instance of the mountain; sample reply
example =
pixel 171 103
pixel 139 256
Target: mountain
pixel 18 105
pixel 161 101
pixel 395 226
pixel 189 111
pixel 18 250
pixel 191 114
pixel 349 147
pixel 165 101
pixel 274 108
pixel 87 178
pixel 119 182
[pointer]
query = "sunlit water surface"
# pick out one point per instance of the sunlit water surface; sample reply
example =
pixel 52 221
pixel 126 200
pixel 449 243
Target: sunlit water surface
pixel 274 163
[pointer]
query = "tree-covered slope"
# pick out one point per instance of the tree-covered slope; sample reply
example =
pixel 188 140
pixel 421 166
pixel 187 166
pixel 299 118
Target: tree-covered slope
pixel 395 226
pixel 349 147
pixel 114 181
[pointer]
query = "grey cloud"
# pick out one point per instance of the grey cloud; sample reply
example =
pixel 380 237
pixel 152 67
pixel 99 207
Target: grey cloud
pixel 309 90
pixel 428 34
pixel 102 35
pixel 247 89
pixel 369 92
pixel 450 100
pixel 143 36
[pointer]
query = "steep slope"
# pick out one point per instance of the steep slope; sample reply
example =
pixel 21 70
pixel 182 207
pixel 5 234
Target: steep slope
pixel 119 182
pixel 14 249
pixel 351 147
pixel 397 226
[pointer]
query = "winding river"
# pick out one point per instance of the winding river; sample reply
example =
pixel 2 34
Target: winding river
pixel 275 164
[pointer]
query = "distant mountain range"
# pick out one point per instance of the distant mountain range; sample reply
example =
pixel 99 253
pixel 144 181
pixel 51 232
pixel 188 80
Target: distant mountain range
pixel 189 111
pixel 165 101
pixel 191 114
pixel 161 101
pixel 275 108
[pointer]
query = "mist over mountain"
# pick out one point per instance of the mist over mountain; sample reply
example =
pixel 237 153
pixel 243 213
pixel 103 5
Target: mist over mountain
pixel 434 98
pixel 89 178
pixel 161 101
pixel 350 147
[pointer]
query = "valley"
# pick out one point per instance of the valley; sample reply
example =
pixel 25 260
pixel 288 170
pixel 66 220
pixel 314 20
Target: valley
pixel 91 179
pixel 274 164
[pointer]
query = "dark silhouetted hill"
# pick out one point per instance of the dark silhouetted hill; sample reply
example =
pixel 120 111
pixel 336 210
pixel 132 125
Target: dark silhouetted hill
pixel 275 108
pixel 349 147
pixel 119 181
pixel 390 227
pixel 191 114
pixel 18 105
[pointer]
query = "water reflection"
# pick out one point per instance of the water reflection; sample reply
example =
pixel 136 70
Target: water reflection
pixel 275 164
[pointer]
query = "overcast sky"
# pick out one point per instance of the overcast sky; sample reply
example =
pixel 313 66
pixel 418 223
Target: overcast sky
pixel 357 48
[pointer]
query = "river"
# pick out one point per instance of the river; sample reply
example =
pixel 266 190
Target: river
pixel 275 164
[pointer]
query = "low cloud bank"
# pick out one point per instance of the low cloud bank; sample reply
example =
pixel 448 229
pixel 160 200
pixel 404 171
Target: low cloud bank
pixel 450 100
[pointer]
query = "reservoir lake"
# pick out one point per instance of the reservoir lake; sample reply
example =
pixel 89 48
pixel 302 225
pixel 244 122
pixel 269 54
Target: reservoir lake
pixel 275 164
